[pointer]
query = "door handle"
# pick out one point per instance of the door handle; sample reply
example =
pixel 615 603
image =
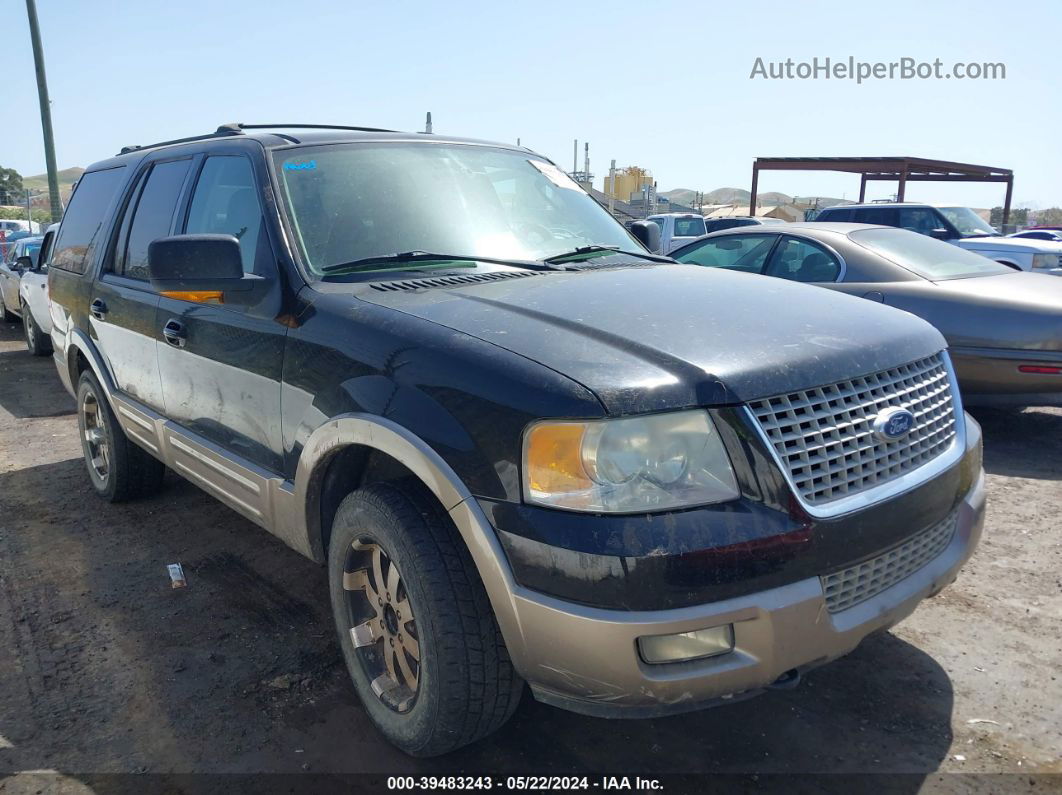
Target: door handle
pixel 98 309
pixel 175 333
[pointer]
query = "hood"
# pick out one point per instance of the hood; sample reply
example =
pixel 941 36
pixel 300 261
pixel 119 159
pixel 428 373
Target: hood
pixel 1016 244
pixel 668 336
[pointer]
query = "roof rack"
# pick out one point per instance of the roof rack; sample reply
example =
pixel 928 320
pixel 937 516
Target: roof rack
pixel 237 128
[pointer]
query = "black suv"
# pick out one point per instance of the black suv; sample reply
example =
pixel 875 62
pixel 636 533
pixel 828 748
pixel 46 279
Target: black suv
pixel 527 450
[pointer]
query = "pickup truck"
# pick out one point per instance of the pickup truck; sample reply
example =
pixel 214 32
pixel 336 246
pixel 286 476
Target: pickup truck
pixel 529 453
pixel 678 229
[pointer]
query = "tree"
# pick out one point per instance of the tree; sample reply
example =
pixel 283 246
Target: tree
pixel 10 186
pixel 1049 217
pixel 1018 217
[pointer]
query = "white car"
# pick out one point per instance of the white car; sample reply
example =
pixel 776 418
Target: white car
pixel 9 225
pixel 953 224
pixel 678 229
pixel 33 299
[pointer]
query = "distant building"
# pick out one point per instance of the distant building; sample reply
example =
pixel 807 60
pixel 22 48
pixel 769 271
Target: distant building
pixel 784 212
pixel 628 183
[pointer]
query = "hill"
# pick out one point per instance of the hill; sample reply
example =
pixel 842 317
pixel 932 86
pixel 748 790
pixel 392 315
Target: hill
pixel 67 177
pixel 740 196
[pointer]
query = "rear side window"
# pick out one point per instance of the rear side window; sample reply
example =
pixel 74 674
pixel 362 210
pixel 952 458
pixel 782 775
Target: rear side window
pixel 152 217
pixel 226 203
pixel 803 261
pixel 85 214
pixel 884 216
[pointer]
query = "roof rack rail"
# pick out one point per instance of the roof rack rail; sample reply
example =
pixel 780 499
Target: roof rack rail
pixel 220 133
pixel 240 126
pixel 237 128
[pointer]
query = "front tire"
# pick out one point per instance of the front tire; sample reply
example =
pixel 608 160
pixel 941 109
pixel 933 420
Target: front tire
pixel 415 624
pixel 118 469
pixel 36 341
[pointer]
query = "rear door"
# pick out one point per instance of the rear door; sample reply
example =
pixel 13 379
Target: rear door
pixel 221 364
pixel 123 304
pixel 801 260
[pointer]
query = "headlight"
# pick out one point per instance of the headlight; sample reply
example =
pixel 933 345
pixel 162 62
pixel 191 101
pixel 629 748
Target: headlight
pixel 1044 261
pixel 630 465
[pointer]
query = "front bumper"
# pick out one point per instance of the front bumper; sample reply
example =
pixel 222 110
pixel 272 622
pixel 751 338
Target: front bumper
pixel 585 659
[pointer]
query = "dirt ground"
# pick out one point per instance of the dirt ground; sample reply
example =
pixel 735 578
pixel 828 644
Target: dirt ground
pixel 106 669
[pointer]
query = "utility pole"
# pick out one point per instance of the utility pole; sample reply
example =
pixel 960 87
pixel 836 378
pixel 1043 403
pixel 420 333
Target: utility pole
pixel 29 211
pixel 46 112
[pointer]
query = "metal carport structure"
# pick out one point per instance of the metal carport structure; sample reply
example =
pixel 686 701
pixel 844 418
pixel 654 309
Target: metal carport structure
pixel 900 169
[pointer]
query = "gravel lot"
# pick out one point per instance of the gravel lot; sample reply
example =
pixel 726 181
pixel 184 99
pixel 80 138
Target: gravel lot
pixel 105 668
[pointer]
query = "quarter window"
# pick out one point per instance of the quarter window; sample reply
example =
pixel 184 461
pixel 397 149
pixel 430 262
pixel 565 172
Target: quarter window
pixel 153 216
pixel 226 203
pixel 803 261
pixel 88 207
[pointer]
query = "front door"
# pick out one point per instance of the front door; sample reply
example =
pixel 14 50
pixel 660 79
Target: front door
pixel 221 364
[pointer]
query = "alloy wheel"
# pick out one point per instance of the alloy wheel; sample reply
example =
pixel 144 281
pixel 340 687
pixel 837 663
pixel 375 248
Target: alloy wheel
pixel 94 435
pixel 383 628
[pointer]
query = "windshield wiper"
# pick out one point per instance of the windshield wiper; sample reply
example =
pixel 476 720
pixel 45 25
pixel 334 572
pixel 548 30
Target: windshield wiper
pixel 582 250
pixel 370 263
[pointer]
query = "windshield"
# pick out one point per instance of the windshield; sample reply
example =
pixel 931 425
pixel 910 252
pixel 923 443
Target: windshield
pixel 348 202
pixel 927 257
pixel 967 222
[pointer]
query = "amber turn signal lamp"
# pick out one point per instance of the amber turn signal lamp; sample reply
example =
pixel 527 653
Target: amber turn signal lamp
pixel 554 458
pixel 196 296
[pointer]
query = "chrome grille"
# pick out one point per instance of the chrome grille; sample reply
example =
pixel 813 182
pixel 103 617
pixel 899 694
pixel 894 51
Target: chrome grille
pixel 824 437
pixel 849 587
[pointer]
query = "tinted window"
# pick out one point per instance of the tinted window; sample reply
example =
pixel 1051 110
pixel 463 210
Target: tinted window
pixel 689 227
pixel 153 216
pixel 885 216
pixel 919 219
pixel 929 258
pixel 84 216
pixel 803 261
pixel 831 214
pixel 226 203
pixel 745 253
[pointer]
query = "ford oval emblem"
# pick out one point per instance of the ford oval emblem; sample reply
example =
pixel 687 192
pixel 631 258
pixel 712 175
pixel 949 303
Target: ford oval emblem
pixel 893 423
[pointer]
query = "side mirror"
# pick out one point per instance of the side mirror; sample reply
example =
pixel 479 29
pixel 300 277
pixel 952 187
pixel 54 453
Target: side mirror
pixel 940 234
pixel 648 234
pixel 199 268
pixel 24 263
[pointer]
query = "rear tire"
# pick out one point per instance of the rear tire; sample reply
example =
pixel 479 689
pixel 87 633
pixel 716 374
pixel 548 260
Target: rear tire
pixel 460 685
pixel 6 316
pixel 36 341
pixel 118 469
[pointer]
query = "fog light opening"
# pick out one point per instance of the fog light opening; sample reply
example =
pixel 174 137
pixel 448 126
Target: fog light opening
pixel 687 646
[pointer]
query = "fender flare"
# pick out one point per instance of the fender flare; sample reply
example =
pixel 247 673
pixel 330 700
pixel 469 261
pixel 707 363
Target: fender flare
pixel 78 341
pixel 392 439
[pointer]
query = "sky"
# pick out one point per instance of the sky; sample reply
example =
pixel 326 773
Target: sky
pixel 662 85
